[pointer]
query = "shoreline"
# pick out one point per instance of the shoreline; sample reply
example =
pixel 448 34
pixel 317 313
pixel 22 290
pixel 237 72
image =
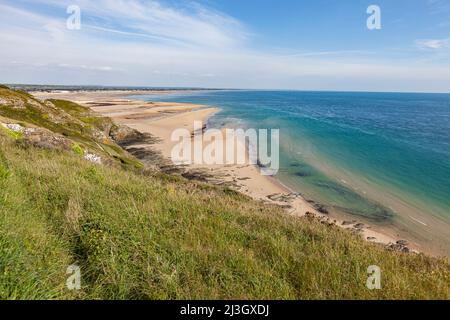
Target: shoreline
pixel 161 118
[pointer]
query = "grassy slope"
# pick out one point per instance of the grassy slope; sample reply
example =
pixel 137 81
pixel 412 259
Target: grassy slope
pixel 68 119
pixel 139 236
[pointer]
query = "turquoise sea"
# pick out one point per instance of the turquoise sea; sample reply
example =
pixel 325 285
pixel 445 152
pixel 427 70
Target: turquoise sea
pixel 383 158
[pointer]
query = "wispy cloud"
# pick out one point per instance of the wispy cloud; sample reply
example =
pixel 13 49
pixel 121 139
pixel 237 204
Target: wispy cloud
pixel 329 53
pixel 434 44
pixel 136 42
pixel 189 23
pixel 439 6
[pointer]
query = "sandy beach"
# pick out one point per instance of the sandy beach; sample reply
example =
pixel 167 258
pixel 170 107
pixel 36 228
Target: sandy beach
pixel 162 118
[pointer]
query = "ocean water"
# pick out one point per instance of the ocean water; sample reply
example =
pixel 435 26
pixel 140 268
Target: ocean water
pixel 380 157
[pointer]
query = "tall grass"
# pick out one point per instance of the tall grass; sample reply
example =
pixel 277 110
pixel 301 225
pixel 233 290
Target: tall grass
pixel 139 236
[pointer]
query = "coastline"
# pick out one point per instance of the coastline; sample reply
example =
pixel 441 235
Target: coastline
pixel 161 118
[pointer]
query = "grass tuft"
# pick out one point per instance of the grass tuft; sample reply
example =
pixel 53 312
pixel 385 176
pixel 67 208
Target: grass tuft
pixel 77 149
pixel 11 133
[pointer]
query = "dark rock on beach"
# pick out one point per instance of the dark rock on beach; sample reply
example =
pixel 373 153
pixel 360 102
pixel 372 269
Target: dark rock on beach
pixel 402 242
pixel 398 247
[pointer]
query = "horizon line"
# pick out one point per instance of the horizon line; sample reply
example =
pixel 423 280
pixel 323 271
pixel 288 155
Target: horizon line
pixel 211 88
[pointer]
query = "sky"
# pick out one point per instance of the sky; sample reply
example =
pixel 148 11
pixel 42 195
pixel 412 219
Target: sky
pixel 248 44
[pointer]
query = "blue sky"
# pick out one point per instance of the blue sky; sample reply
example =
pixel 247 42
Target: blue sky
pixel 261 44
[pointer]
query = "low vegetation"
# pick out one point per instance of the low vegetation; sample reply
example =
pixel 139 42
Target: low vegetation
pixel 68 120
pixel 140 234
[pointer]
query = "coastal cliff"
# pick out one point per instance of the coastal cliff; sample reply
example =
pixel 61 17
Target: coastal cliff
pixel 70 194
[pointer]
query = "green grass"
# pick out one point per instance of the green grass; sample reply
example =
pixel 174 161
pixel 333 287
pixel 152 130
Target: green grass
pixel 162 237
pixel 78 149
pixel 42 115
pixel 73 121
pixel 11 133
pixel 70 107
pixel 146 235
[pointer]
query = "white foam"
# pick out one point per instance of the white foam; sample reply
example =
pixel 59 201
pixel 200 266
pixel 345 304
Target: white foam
pixel 417 220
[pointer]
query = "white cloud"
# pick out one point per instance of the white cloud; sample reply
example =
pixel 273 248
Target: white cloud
pixel 190 24
pixel 131 42
pixel 434 44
